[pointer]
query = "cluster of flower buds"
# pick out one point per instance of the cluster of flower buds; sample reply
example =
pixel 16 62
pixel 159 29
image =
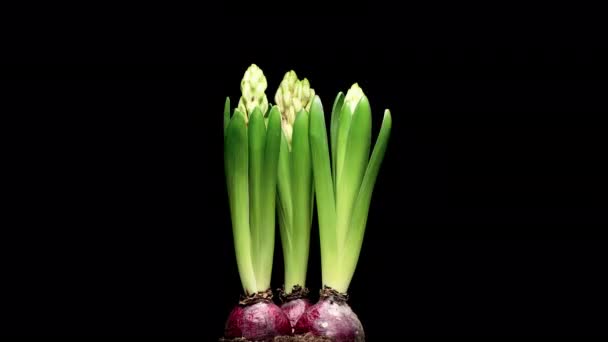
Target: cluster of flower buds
pixel 292 96
pixel 253 88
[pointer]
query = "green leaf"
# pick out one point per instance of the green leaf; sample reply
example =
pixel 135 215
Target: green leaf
pixel 269 195
pixel 285 204
pixel 324 191
pixel 335 116
pixel 301 184
pixel 284 229
pixel 341 141
pixel 236 169
pixel 226 114
pixel 257 139
pixel 284 181
pixel 312 191
pixel 286 243
pixel 361 208
pixel 356 157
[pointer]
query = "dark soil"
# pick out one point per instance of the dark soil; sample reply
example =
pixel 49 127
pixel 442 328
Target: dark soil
pixel 305 338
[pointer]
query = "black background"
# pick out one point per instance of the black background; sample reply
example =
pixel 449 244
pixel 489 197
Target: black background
pixel 486 218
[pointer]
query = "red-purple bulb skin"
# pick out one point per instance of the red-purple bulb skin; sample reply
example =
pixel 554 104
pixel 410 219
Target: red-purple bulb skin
pixel 257 322
pixel 295 308
pixel 332 319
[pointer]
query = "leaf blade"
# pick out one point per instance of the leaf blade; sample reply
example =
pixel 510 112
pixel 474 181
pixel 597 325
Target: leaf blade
pixel 237 182
pixel 257 137
pixel 284 180
pixel 356 157
pixel 324 192
pixel 301 184
pixel 226 114
pixel 335 122
pixel 269 195
pixel 362 204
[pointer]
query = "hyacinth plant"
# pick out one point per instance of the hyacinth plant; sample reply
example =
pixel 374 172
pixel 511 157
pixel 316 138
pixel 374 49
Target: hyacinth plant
pixel 279 158
pixel 344 181
pixel 295 189
pixel 252 140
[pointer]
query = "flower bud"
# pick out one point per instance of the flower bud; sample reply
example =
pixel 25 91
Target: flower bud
pixel 292 96
pixel 253 87
pixel 353 96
